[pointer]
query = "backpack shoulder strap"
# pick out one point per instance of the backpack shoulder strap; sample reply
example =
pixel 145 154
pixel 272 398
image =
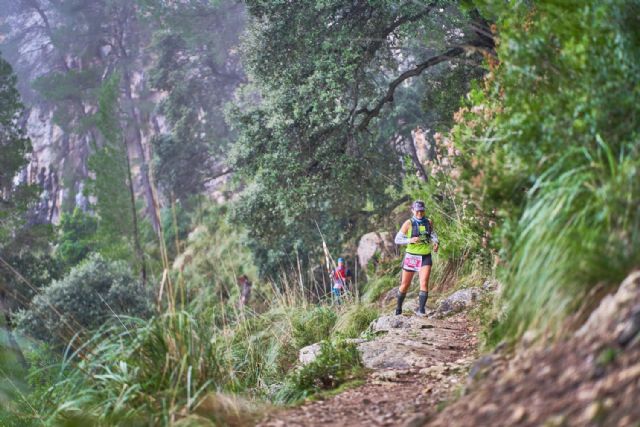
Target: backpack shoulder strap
pixel 415 231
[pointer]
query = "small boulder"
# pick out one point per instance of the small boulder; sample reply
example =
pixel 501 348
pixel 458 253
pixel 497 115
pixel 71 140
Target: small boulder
pixel 387 323
pixel 375 242
pixel 309 353
pixel 480 368
pixel 613 308
pixel 390 375
pixel 458 301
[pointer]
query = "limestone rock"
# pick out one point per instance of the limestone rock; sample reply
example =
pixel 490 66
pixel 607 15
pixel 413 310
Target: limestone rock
pixel 610 307
pixel 375 242
pixel 387 323
pixel 458 301
pixel 421 145
pixel 480 367
pixel 409 342
pixel 309 353
pixel 390 375
pixel 630 330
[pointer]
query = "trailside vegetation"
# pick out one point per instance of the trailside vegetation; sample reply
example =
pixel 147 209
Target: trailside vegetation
pixel 313 114
pixel 314 144
pixel 550 156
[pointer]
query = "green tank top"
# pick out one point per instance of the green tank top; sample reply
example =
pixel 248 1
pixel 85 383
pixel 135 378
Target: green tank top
pixel 420 248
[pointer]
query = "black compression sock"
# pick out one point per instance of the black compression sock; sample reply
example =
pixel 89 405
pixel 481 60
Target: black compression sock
pixel 400 301
pixel 422 300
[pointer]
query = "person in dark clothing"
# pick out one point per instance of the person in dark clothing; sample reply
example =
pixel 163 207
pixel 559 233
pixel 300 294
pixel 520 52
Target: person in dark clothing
pixel 245 290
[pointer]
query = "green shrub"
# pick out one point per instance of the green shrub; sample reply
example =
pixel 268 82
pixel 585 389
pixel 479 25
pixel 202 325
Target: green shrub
pixel 380 286
pixel 214 257
pixel 37 268
pixel 313 326
pixel 549 153
pixel 11 383
pixel 579 228
pixel 355 320
pixel 90 294
pixel 337 363
pixel 76 237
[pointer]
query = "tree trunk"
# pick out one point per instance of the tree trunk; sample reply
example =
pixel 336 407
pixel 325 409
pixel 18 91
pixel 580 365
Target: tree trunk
pixel 134 217
pixel 134 129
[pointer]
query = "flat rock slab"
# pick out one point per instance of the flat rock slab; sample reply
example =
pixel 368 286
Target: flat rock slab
pixel 413 342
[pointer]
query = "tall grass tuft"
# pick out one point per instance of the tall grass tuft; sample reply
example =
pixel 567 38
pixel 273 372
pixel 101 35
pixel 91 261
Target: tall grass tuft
pixel 182 364
pixel 337 363
pixel 580 228
pixel 355 319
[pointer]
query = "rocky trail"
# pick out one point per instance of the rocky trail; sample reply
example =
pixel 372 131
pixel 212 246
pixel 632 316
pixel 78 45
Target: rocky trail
pixel 415 364
pixel 426 372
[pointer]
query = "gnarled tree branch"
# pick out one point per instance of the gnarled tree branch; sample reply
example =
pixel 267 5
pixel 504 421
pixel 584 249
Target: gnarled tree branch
pixel 369 114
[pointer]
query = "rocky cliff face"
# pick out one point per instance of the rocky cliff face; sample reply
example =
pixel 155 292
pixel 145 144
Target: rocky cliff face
pixel 64 51
pixel 59 122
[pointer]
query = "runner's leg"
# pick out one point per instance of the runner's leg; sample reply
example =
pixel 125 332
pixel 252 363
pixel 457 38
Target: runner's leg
pixel 406 281
pixel 404 287
pixel 425 272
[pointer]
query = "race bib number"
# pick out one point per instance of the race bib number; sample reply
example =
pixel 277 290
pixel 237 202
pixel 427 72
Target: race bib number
pixel 412 262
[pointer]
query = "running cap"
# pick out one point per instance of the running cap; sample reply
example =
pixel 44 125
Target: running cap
pixel 418 205
pixel 340 260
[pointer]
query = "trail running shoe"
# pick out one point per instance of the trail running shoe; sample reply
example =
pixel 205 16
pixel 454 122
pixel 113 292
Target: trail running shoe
pixel 420 313
pixel 398 312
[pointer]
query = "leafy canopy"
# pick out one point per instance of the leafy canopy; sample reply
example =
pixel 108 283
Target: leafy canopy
pixel 310 151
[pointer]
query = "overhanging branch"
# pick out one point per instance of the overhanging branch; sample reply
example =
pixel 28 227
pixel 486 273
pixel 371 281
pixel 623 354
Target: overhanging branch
pixel 219 174
pixel 369 114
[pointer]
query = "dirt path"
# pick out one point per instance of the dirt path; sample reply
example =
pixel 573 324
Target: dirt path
pixel 415 364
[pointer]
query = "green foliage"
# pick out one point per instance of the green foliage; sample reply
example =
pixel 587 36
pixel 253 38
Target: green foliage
pixel 336 363
pixel 214 256
pixel 180 168
pixel 89 295
pixel 14 149
pixel 607 356
pixel 36 270
pixel 70 85
pixel 313 326
pixel 580 227
pixel 76 237
pixel 378 286
pixel 550 152
pixel 145 372
pixel 355 320
pixel 12 383
pixel 443 92
pixel 175 225
pixel 111 185
pixel 199 72
pixel 302 154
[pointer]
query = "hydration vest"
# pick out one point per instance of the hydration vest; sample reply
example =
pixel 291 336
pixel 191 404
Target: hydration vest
pixel 415 229
pixel 420 229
